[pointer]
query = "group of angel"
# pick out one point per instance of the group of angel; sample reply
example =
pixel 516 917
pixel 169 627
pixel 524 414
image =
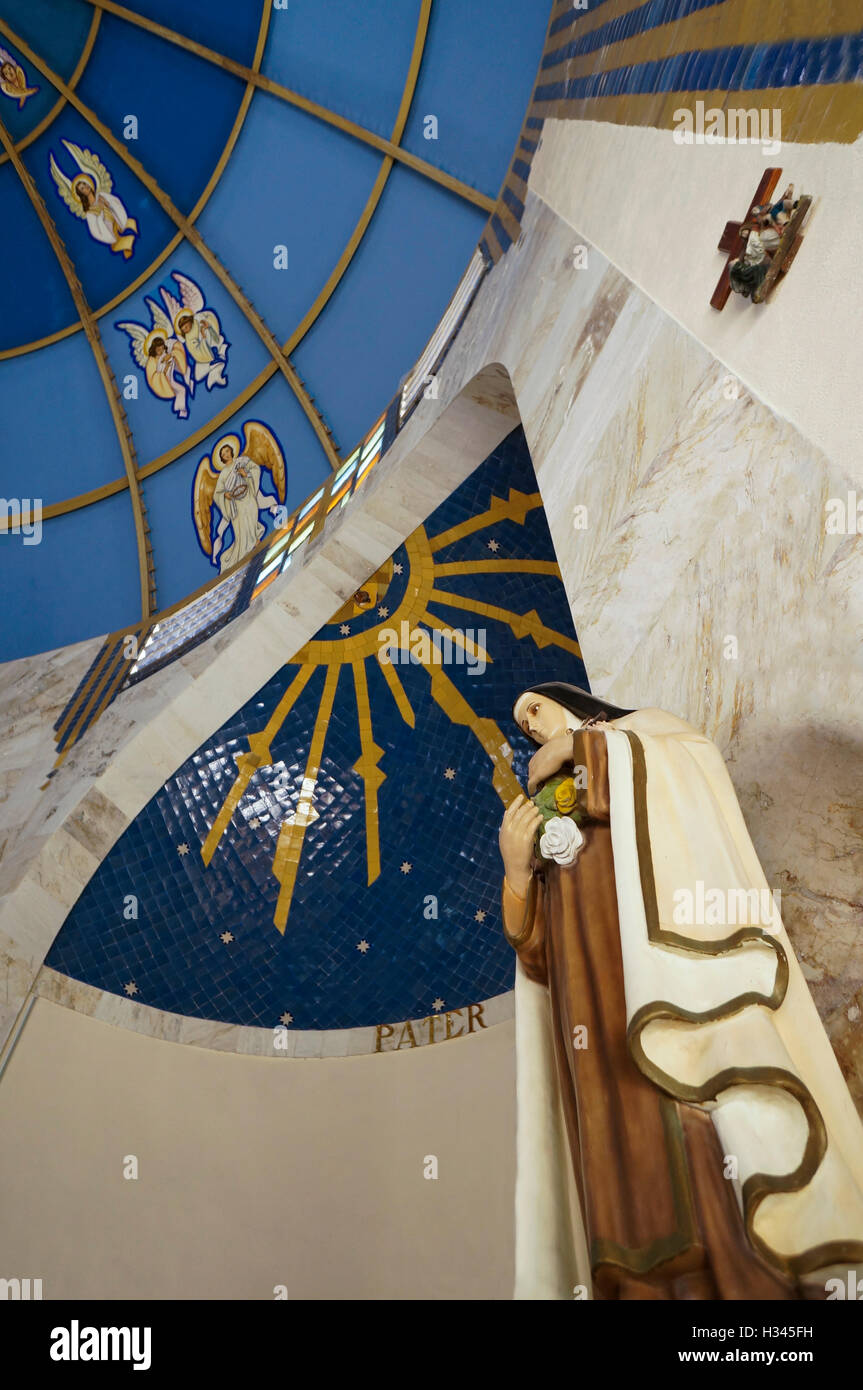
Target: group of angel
pixel 182 346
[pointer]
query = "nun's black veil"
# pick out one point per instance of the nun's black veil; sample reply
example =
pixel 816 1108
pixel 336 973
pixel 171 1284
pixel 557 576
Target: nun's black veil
pixel 579 702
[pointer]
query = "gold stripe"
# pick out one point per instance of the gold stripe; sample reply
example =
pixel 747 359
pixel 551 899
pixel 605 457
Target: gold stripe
pixel 758 1185
pixel 172 245
pixel 101 691
pixel 194 237
pixel 517 186
pixel 456 707
pixel 397 691
pixel 810 115
pixel 312 108
pixel 367 767
pixel 497 567
pixel 124 436
pixel 586 23
pixel 514 508
pixel 507 217
pixel 466 644
pixel 249 763
pixel 521 624
pixel 85 499
pixel 291 837
pixel 730 23
pixel 107 653
pixel 75 78
pixel 491 240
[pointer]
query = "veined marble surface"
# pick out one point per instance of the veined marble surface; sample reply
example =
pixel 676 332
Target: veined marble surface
pixel 704 522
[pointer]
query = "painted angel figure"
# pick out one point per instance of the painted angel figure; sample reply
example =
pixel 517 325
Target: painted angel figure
pixel 13 79
pixel 162 358
pixel 230 482
pixel 199 330
pixel 88 194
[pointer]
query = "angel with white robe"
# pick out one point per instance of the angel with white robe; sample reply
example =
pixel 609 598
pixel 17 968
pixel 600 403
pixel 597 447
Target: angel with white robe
pixel 88 194
pixel 230 482
pixel 162 358
pixel 199 330
pixel 13 79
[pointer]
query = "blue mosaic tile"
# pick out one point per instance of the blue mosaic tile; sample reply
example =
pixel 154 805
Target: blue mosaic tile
pixel 444 828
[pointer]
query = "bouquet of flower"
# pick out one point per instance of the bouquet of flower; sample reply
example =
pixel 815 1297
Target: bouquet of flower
pixel 559 837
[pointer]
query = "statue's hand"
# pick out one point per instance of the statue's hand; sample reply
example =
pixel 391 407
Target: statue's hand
pixel 517 834
pixel 548 760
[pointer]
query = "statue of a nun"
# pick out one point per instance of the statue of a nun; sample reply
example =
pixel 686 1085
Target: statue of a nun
pixel 684 1129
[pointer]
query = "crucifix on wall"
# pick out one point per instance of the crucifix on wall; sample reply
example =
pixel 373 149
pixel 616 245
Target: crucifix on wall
pixel 763 245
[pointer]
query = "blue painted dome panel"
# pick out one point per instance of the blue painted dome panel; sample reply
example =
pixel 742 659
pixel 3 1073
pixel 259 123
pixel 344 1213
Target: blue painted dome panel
pixel 59 33
pixel 36 302
pixel 287 214
pixel 251 213
pixel 184 106
pixel 81 576
pixel 55 415
pixel 352 57
pixel 227 26
pixel 398 263
pixel 479 105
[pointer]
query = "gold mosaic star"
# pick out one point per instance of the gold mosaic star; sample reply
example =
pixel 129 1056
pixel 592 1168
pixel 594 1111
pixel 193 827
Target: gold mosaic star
pixel 438 1004
pixel 345 629
pixel 286 1018
pixel 183 849
pixel 449 774
pixel 397 569
pixel 406 867
pixel 362 947
pixel 131 988
pixel 226 937
pixel 479 916
pixel 383 611
pixel 493 545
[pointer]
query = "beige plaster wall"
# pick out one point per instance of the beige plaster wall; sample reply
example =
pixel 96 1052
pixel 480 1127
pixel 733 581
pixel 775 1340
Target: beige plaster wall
pixel 254 1172
pixel 656 209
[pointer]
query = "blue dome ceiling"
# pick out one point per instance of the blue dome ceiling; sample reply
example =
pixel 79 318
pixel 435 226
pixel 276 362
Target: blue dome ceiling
pixel 217 214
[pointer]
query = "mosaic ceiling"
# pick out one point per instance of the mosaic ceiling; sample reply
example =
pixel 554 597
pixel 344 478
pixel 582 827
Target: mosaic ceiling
pixel 329 857
pixel 214 217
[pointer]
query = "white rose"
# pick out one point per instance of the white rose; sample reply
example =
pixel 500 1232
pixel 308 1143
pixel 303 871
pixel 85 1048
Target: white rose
pixel 561 840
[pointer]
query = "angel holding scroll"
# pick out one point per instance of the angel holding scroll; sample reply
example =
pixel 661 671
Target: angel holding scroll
pixel 229 481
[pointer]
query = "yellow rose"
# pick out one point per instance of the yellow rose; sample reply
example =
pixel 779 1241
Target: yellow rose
pixel 565 797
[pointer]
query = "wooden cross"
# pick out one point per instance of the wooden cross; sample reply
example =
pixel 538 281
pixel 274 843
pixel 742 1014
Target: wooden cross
pixel 733 244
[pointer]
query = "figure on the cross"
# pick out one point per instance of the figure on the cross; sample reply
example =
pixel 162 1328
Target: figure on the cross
pixel 763 245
